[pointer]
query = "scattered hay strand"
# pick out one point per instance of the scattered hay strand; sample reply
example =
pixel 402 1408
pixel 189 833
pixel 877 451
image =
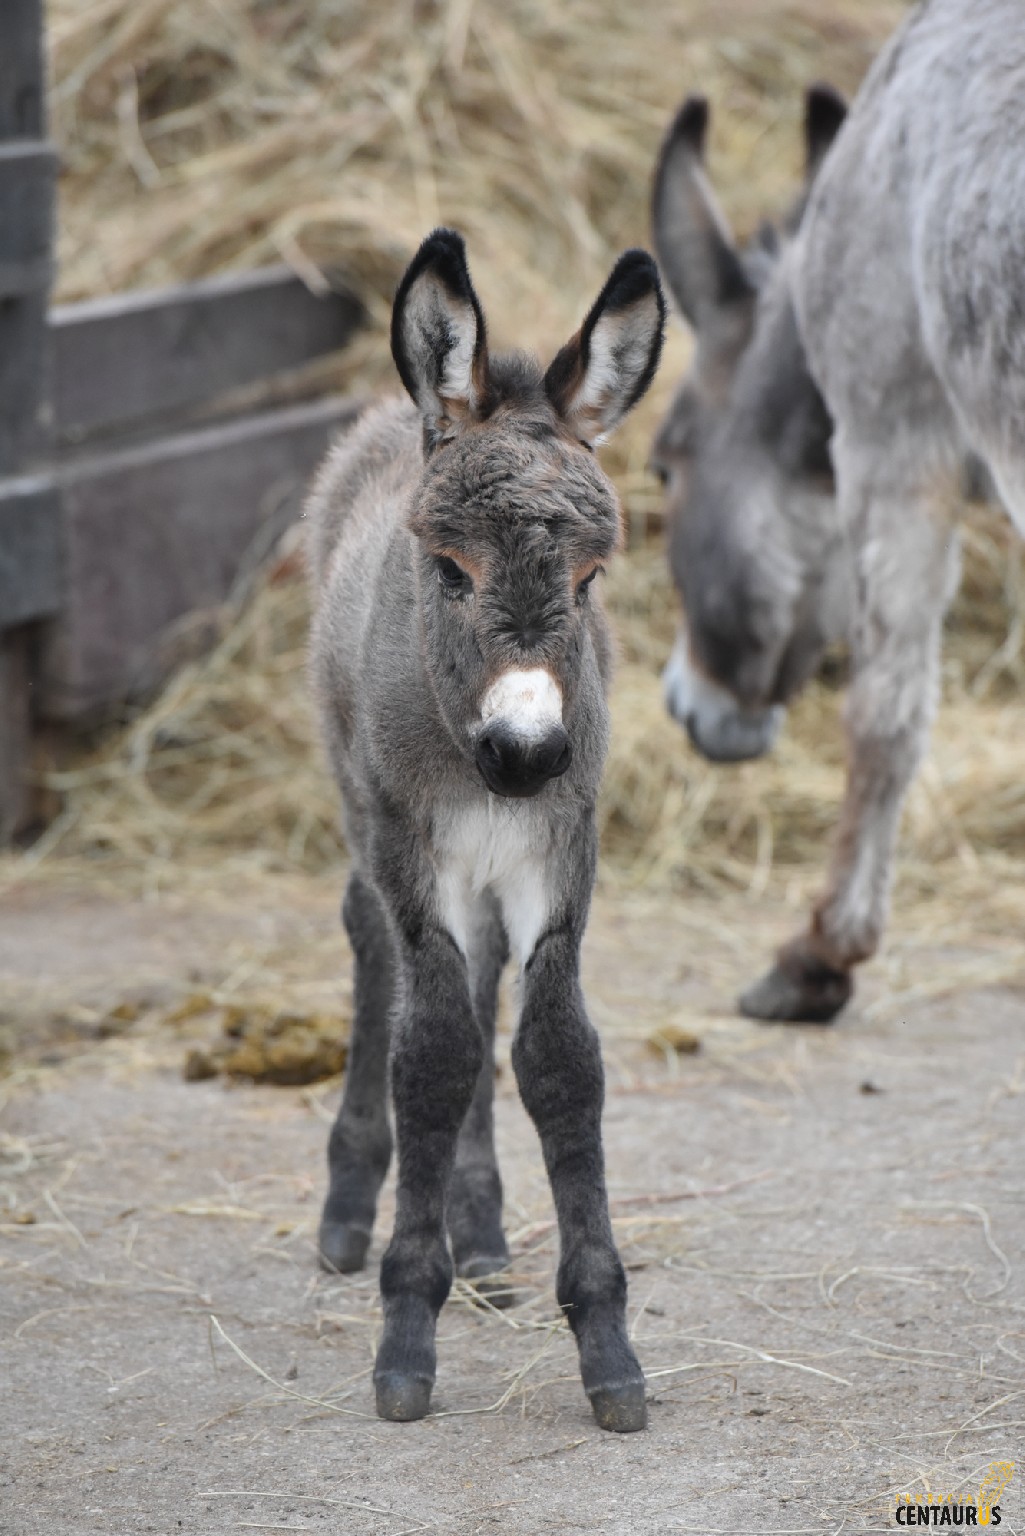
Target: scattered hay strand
pixel 281 1386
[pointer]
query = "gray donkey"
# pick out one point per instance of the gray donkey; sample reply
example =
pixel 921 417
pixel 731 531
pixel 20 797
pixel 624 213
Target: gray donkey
pixel 460 659
pixel 812 459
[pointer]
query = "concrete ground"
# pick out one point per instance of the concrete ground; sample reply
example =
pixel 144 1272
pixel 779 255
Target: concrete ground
pixel 824 1232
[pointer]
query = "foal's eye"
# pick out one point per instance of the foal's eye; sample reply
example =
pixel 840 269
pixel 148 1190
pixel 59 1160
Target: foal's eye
pixel 583 585
pixel 453 578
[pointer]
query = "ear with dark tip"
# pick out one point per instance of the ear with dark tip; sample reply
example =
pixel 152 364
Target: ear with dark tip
pixel 696 251
pixel 824 113
pixel 438 337
pixel 604 369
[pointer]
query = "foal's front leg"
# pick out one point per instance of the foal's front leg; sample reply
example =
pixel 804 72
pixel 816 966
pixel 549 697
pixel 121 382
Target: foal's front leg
pixel 904 547
pixel 475 1197
pixel 557 1060
pixel 436 1062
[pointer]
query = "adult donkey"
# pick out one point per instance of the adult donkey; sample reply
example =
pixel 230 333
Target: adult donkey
pixel 460 659
pixel 884 340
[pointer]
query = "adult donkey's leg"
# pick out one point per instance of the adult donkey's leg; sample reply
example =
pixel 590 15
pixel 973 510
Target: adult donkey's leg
pixel 475 1194
pixel 436 1063
pixel 359 1148
pixel 904 545
pixel 557 1059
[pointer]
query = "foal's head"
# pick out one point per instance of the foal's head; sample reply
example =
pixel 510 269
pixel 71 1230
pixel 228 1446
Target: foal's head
pixel 744 456
pixel 513 516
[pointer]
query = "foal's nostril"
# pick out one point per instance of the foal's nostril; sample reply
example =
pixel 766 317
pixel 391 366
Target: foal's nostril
pixel 489 752
pixel 554 755
pixel 511 764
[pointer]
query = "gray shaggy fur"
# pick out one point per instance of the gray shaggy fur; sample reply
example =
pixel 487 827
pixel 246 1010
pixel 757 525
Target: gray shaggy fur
pixel 460 660
pixel 904 277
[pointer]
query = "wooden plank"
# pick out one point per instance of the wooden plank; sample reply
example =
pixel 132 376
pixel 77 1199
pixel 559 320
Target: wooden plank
pixel 15 732
pixel 25 414
pixel 160 531
pixel 136 355
pixel 27 563
pixel 30 550
pixel 22 91
pixel 28 171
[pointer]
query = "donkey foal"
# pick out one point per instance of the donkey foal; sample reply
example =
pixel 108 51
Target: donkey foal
pixel 460 662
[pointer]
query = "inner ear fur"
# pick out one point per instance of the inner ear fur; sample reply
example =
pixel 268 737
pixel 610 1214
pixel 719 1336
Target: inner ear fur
pixel 602 371
pixel 696 250
pixel 438 335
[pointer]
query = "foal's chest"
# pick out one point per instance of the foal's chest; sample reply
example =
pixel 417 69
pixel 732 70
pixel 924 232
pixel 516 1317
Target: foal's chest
pixel 501 846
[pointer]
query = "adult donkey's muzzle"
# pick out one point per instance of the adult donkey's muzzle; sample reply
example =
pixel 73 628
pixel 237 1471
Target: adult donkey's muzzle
pixel 523 742
pixel 717 725
pixel 519 766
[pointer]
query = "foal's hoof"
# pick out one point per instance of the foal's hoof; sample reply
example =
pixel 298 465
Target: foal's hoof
pixel 402 1398
pixel 342 1247
pixel 809 993
pixel 621 1409
pixel 488 1280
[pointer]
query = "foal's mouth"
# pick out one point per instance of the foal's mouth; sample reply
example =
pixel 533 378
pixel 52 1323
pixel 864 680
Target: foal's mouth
pixel 522 743
pixel 517 768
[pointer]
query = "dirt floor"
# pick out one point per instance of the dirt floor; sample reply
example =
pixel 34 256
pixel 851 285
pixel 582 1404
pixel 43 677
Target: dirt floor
pixel 824 1229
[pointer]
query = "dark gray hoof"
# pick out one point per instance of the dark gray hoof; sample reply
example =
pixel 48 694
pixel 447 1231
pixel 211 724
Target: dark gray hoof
pixel 809 993
pixel 488 1280
pixel 623 1410
pixel 342 1248
pixel 402 1398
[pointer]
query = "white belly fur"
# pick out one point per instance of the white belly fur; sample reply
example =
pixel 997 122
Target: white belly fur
pixel 499 846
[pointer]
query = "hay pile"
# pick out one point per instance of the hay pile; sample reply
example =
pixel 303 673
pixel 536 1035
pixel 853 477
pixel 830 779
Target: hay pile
pixel 199 137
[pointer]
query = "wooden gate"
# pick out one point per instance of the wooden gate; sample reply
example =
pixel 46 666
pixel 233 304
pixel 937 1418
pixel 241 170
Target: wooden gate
pixel 142 459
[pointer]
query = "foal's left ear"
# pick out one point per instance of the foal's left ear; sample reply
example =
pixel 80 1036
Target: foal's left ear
pixel 606 367
pixel 438 338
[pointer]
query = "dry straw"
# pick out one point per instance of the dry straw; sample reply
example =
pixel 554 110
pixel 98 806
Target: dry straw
pixel 214 134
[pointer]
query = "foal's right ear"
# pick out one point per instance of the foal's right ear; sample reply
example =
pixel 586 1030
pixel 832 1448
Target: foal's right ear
pixel 696 251
pixel 438 339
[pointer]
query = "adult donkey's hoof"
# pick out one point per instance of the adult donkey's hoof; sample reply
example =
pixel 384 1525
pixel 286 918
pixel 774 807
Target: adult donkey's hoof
pixel 621 1409
pixel 342 1247
pixel 798 991
pixel 402 1398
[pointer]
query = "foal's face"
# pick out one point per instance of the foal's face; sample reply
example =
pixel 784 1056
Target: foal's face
pixel 744 455
pixel 513 516
pixel 515 522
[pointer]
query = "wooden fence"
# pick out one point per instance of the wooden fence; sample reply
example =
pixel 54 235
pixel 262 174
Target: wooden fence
pixel 141 463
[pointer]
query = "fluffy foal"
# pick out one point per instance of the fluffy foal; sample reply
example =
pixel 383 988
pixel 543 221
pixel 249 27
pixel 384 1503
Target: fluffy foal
pixel 460 661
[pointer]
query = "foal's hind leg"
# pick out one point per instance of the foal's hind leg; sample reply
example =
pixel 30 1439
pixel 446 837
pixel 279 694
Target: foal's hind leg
pixel 475 1194
pixel 359 1148
pixel 904 545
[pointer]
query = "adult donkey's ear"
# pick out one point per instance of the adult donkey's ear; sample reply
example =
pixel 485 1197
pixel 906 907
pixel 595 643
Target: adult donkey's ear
pixel 824 113
pixel 438 338
pixel 697 254
pixel 605 368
